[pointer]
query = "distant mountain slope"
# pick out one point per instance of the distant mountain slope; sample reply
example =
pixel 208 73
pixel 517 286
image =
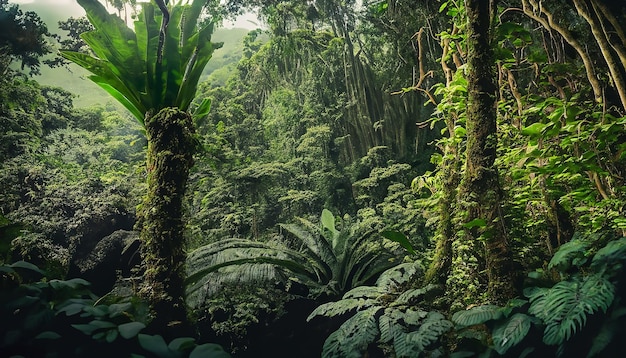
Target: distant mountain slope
pixel 77 82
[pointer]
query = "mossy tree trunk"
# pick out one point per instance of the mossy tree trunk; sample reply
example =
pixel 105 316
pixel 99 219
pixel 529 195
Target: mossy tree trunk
pixel 480 193
pixel 169 159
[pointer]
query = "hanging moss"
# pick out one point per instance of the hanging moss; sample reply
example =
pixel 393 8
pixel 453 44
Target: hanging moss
pixel 171 147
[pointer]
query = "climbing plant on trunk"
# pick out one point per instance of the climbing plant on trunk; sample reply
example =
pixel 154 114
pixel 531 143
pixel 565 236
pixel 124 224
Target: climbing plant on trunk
pixel 480 194
pixel 154 71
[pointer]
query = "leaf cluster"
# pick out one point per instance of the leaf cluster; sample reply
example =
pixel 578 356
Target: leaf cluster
pixel 581 313
pixel 386 317
pixel 329 260
pixel 146 69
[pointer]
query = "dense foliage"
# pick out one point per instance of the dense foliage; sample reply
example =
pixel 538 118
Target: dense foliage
pixel 435 237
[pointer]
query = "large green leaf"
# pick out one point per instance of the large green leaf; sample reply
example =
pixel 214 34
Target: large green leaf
pixel 126 62
pixel 477 315
pixel 509 333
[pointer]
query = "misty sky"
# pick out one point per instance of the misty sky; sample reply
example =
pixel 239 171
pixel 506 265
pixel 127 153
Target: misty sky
pixel 52 11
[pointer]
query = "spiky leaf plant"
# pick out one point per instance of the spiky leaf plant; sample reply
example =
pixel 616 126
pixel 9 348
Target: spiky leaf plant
pixel 154 71
pixel 152 67
pixel 330 261
pixel 385 317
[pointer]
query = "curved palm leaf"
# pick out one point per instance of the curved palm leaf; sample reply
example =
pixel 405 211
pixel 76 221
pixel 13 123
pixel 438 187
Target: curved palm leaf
pixel 355 259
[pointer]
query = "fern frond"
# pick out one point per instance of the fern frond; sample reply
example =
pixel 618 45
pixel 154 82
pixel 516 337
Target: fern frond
pixel 417 295
pixel 340 307
pixel 363 292
pixel 477 315
pixel 389 325
pixel 431 329
pixel 396 276
pixel 510 332
pixel 569 303
pixel 570 253
pixel 413 318
pixel 353 337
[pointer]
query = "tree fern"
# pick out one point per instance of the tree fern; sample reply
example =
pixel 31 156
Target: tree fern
pixel 477 315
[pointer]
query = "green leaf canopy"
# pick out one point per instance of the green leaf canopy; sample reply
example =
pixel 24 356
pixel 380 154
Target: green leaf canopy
pixel 125 62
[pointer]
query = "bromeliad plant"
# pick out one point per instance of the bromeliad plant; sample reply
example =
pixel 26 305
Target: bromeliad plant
pixel 330 262
pixel 154 71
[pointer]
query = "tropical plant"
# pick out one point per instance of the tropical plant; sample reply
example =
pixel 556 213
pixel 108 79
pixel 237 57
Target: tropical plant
pixel 153 72
pixel 329 260
pixel 387 316
pixel 40 315
pixel 156 66
pixel 586 304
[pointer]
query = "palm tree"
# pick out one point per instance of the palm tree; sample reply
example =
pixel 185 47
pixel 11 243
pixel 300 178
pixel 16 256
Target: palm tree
pixel 154 72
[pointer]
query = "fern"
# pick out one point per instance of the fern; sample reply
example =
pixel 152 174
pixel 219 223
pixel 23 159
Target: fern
pixel 510 332
pixel 477 315
pixel 433 327
pixel 396 276
pixel 363 292
pixel 353 337
pixel 389 325
pixel 340 307
pixel 570 253
pixel 565 306
pixel 418 294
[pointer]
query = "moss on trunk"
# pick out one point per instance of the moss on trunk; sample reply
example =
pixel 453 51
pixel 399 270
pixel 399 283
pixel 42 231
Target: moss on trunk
pixel 169 159
pixel 480 194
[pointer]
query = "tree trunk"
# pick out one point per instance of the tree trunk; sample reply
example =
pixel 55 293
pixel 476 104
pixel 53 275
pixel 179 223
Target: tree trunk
pixel 170 157
pixel 480 192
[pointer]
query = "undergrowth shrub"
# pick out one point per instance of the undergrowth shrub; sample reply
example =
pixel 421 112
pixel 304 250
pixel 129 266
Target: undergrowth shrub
pixel 386 319
pixel 574 308
pixel 42 317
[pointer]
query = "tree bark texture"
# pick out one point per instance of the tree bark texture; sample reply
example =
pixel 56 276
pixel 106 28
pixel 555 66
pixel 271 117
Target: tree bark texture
pixel 170 156
pixel 480 193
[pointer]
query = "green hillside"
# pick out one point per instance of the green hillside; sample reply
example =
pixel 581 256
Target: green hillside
pixel 89 94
